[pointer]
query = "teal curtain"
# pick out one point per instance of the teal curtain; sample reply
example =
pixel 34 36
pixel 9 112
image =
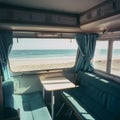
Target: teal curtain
pixel 86 47
pixel 5 47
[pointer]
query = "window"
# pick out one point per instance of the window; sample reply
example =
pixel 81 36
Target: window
pixel 100 57
pixel 29 54
pixel 115 67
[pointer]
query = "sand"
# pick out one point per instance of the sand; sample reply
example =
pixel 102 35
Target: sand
pixel 42 64
pixel 115 66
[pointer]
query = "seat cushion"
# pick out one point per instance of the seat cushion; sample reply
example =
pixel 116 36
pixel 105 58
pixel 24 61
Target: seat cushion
pixel 8 90
pixel 32 107
pixel 102 90
pixel 86 107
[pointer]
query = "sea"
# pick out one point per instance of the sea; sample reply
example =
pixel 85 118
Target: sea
pixel 102 54
pixel 23 54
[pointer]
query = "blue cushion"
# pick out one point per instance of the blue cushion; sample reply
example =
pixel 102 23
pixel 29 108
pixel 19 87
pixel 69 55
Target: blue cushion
pixel 102 90
pixel 97 95
pixel 8 89
pixel 85 107
pixel 32 106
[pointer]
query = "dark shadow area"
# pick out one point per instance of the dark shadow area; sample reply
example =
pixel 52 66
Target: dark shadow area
pixel 8 113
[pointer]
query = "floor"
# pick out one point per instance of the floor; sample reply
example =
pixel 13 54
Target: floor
pixel 65 113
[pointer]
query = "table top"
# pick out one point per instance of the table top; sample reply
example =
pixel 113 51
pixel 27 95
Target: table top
pixel 56 83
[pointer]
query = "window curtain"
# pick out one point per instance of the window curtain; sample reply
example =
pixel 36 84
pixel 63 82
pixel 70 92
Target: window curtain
pixel 5 47
pixel 86 47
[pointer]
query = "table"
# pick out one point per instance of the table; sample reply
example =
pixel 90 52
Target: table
pixel 55 83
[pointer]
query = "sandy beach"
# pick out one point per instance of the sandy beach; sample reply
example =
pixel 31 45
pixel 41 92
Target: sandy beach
pixel 115 66
pixel 42 64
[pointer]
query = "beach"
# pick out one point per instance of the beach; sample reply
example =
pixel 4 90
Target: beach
pixel 115 66
pixel 66 62
pixel 41 64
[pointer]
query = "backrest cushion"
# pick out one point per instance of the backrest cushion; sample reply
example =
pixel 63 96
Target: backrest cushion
pixel 102 90
pixel 8 89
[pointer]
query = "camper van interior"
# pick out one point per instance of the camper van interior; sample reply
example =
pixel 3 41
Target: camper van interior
pixel 59 59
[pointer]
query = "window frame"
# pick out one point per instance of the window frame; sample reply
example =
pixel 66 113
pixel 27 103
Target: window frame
pixel 109 58
pixel 43 70
pixel 112 43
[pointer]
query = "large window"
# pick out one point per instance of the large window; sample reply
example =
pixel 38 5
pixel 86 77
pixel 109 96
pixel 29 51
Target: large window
pixel 115 68
pixel 100 57
pixel 29 54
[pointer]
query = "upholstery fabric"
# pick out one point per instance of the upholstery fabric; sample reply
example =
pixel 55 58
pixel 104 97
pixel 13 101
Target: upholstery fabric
pixel 98 97
pixel 31 106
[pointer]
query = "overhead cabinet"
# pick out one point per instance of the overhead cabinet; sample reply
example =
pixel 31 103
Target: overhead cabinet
pixel 117 4
pixel 102 11
pixel 15 15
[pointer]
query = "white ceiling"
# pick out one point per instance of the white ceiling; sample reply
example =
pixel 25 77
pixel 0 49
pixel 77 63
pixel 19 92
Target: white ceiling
pixel 71 6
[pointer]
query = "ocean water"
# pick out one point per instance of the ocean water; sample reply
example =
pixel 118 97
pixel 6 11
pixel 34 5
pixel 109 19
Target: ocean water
pixel 102 53
pixel 20 54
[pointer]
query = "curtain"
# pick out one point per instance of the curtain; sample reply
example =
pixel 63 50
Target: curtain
pixel 5 47
pixel 86 47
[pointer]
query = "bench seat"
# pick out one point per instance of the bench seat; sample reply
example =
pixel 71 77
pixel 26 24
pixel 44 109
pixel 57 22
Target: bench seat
pixel 31 106
pixel 96 98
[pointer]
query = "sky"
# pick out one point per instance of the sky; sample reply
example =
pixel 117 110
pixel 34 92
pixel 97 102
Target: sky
pixel 34 43
pixel 37 43
pixel 104 45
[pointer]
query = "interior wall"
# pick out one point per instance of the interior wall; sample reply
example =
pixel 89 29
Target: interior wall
pixel 27 84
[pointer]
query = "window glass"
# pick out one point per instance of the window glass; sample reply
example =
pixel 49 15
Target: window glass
pixel 115 68
pixel 100 57
pixel 29 54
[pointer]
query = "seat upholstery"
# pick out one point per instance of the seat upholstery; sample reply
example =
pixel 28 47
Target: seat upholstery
pixel 96 98
pixel 31 106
